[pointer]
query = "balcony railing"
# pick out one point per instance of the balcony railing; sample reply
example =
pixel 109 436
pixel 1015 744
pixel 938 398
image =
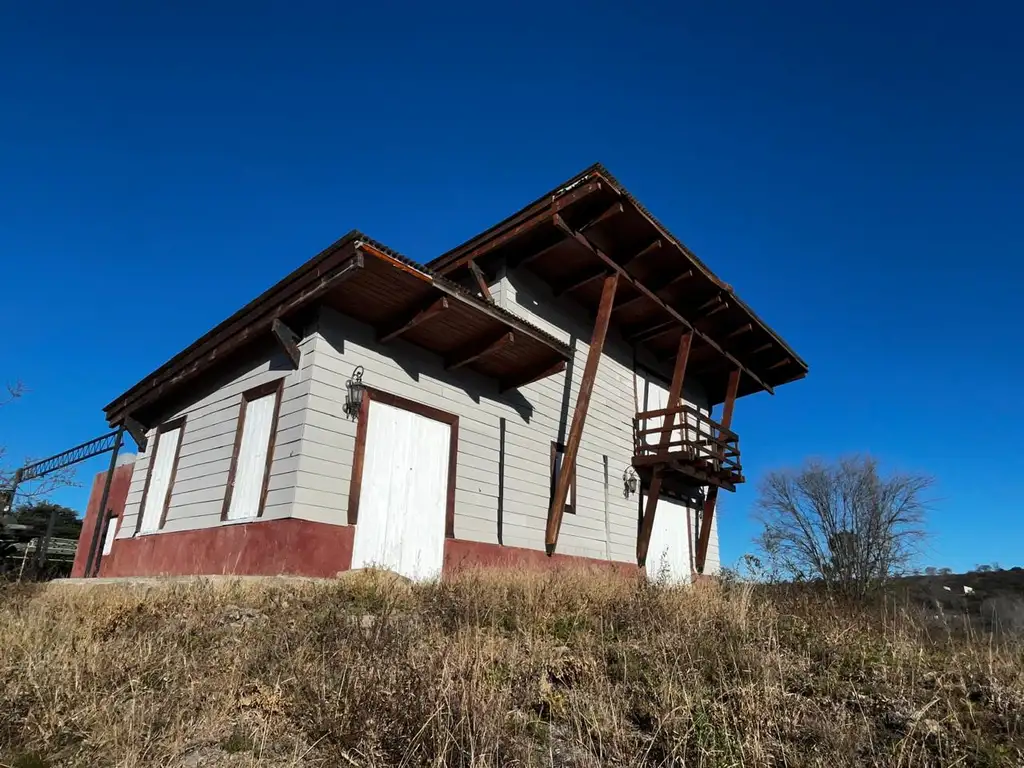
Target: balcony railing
pixel 697 446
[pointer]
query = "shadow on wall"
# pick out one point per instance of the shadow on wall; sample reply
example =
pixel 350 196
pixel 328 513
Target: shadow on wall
pixel 416 362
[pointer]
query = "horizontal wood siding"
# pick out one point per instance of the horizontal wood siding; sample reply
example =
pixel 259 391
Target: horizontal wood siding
pixel 197 495
pixel 535 416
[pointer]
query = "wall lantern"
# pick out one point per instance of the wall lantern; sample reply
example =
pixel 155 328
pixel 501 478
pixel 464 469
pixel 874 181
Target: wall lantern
pixel 354 395
pixel 629 482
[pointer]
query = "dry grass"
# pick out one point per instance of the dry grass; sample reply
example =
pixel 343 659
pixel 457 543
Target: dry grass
pixel 566 669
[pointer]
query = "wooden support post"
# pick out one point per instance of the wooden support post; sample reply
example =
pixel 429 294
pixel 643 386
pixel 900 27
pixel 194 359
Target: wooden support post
pixel 712 498
pixel 675 390
pixel 572 446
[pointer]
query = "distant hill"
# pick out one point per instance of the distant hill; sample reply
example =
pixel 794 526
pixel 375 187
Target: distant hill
pixel 985 599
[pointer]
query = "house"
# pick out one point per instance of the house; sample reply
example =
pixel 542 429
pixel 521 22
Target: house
pixel 558 389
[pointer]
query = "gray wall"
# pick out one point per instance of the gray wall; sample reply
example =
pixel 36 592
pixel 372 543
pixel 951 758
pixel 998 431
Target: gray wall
pixel 197 496
pixel 313 452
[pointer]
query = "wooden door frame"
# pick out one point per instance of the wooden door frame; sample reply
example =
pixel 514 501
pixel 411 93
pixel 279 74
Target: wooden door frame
pixel 356 481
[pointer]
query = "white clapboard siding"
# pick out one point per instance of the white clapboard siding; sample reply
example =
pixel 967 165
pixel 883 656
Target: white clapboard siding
pixel 207 442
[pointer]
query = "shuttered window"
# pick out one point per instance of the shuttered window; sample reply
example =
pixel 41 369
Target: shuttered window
pixel 254 448
pixel 162 466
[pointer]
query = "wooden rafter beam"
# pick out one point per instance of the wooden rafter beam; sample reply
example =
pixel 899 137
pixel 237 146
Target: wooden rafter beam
pixel 651 332
pixel 481 280
pixel 584 242
pixel 288 339
pixel 588 277
pixel 397 327
pixel 711 500
pixel 516 262
pixel 613 210
pixel 531 375
pixel 784 361
pixel 763 348
pixel 675 391
pixel 579 416
pixel 747 328
pixel 579 281
pixel 477 349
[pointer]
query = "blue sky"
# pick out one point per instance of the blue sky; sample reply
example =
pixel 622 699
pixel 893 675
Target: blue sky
pixel 856 173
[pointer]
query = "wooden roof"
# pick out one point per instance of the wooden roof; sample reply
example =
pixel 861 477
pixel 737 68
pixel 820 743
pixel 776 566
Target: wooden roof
pixel 591 226
pixel 367 281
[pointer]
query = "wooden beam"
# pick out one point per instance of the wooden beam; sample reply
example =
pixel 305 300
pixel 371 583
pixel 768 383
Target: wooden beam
pixel 651 332
pixel 477 349
pixel 762 348
pixel 579 281
pixel 613 210
pixel 137 431
pixel 675 390
pixel 481 281
pixel 629 302
pixel 685 275
pixel 515 263
pixel 711 500
pixel 531 375
pixel 740 331
pixel 579 417
pixel 773 366
pixel 715 300
pixel 528 221
pixel 396 328
pixel 289 341
pixel 642 252
pixel 560 223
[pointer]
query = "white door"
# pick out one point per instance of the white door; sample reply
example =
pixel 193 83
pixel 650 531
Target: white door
pixel 668 556
pixel 404 491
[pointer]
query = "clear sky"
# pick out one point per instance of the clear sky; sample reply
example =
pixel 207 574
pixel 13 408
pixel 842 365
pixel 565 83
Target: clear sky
pixel 856 173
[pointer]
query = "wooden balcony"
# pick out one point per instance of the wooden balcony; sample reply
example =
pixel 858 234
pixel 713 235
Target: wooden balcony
pixel 698 451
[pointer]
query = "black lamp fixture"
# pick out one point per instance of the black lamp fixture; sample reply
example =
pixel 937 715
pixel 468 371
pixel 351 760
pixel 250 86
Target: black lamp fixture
pixel 629 481
pixel 355 391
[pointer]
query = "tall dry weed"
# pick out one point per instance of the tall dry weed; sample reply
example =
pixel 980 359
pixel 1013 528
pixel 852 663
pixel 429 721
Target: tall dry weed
pixel 575 668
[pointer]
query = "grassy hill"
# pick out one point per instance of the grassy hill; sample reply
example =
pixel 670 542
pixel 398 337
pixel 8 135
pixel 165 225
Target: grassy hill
pixel 569 669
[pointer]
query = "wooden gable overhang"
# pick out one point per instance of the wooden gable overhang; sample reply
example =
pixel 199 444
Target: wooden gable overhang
pixel 364 280
pixel 591 227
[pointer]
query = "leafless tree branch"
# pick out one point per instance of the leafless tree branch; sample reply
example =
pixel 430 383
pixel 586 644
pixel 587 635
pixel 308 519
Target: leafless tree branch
pixel 843 523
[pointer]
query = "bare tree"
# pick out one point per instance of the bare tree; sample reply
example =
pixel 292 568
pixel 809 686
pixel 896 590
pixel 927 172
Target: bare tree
pixel 842 523
pixel 41 487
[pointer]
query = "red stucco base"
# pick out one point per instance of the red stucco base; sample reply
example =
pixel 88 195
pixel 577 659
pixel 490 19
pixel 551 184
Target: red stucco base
pixel 119 485
pixel 262 548
pixel 460 555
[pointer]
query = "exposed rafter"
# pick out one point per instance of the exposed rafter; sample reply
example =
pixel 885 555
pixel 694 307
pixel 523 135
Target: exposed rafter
pixel 580 280
pixel 747 328
pixel 652 331
pixel 613 210
pixel 534 374
pixel 584 242
pixel 397 327
pixel 481 280
pixel 288 339
pixel 478 349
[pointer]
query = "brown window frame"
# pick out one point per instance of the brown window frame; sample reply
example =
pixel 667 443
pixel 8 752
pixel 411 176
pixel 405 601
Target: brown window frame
pixel 355 484
pixel 557 449
pixel 275 387
pixel 167 426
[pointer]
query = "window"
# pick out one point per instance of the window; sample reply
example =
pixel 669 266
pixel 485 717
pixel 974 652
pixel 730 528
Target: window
pixel 156 495
pixel 557 456
pixel 254 450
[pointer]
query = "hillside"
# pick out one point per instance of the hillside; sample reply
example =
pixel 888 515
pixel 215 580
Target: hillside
pixel 572 669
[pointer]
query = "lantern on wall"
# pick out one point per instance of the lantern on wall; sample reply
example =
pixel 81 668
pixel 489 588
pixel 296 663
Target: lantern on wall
pixel 355 389
pixel 629 481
